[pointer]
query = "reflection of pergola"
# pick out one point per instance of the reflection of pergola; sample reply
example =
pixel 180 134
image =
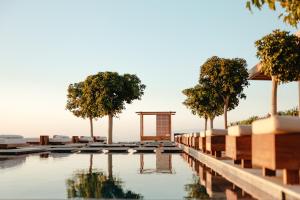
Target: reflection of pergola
pixel 163 164
pixel 163 125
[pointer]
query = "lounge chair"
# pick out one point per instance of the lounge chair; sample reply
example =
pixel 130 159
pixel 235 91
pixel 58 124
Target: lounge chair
pixel 12 141
pixel 100 139
pixel 33 141
pixel 276 145
pixel 215 141
pixel 85 139
pixel 238 145
pixel 60 139
pixel 202 141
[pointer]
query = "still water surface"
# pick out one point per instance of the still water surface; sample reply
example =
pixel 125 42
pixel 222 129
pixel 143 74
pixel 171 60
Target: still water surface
pixel 147 176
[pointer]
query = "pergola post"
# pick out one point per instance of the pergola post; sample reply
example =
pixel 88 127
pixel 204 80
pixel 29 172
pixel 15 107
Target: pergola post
pixel 141 125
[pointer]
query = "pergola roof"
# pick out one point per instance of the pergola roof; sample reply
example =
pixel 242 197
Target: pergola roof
pixel 256 74
pixel 156 113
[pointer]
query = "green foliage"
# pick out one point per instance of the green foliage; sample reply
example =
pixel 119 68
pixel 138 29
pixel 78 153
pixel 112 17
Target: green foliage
pixel 227 77
pixel 102 94
pixel 81 101
pixel 246 121
pixel 291 7
pixel 195 190
pixel 279 53
pixel 202 101
pixel 112 91
pixel 290 112
pixel 96 184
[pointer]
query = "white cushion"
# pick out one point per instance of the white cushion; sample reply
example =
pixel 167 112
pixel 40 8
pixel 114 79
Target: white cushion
pixel 216 132
pixel 12 141
pixel 11 137
pixel 32 139
pixel 61 136
pixel 60 139
pixel 86 139
pixel 202 134
pixel 196 134
pixel 240 130
pixel 277 125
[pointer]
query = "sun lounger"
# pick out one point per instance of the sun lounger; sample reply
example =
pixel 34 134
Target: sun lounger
pixel 59 140
pixel 33 141
pixel 215 141
pixel 276 145
pixel 238 145
pixel 12 141
pixel 85 139
pixel 100 139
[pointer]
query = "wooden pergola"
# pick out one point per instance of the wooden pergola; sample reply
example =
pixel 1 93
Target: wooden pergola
pixel 163 125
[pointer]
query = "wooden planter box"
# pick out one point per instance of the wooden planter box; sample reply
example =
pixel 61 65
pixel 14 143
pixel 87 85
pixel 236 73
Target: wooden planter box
pixel 202 144
pixel 190 141
pixel 215 144
pixel 238 148
pixel 278 151
pixel 195 142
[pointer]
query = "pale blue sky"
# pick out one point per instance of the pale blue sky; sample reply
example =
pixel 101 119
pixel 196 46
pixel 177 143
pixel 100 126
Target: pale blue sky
pixel 45 45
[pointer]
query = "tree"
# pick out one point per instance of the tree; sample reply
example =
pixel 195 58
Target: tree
pixel 279 54
pixel 203 101
pixel 95 184
pixel 112 91
pixel 227 77
pixel 81 102
pixel 292 9
pixel 195 190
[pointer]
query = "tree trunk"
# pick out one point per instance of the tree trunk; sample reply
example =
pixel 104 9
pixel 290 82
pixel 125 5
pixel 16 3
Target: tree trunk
pixel 299 98
pixel 92 128
pixel 109 162
pixel 205 126
pixel 211 123
pixel 91 164
pixel 274 96
pixel 225 112
pixel 110 128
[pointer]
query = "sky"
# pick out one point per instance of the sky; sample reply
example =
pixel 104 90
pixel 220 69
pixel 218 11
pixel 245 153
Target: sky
pixel 47 45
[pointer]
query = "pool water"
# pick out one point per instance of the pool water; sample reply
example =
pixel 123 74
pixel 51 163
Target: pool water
pixel 134 176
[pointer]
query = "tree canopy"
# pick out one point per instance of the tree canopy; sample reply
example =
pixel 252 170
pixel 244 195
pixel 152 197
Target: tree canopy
pixel 203 101
pixel 227 77
pixel 279 54
pixel 291 7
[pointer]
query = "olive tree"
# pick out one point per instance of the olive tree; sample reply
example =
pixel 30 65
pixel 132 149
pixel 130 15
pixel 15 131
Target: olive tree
pixel 227 77
pixel 112 91
pixel 279 54
pixel 204 102
pixel 81 102
pixel 291 7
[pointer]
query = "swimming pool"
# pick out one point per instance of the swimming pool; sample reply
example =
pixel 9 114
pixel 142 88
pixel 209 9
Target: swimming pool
pixel 144 176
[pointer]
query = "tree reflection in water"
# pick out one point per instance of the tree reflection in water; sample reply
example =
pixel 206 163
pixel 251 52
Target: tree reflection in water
pixel 94 183
pixel 195 190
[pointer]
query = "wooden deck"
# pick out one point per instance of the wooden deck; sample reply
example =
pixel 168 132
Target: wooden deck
pixel 250 180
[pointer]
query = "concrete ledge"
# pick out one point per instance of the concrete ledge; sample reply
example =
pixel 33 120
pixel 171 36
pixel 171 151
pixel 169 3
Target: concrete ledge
pixel 250 180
